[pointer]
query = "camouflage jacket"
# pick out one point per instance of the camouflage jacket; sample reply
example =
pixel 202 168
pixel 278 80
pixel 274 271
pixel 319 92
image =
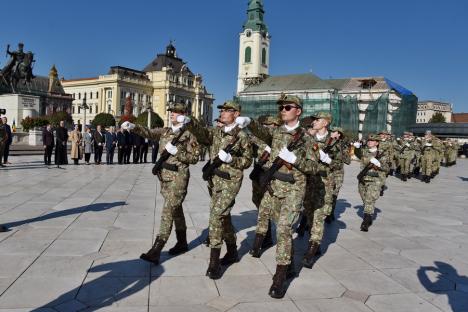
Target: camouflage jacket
pixel 188 150
pixel 217 140
pixel 345 157
pixel 335 154
pixel 405 149
pixel 306 162
pixel 387 147
pixel 365 155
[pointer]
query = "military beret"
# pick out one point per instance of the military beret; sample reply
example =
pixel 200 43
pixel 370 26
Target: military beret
pixel 373 137
pixel 292 99
pixel 230 105
pixel 177 107
pixel 324 115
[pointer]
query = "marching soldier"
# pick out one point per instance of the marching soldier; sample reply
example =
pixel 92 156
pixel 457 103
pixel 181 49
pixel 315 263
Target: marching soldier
pixel 386 147
pixel 427 157
pixel 406 153
pixel 174 178
pixel 373 162
pixel 439 155
pixel 230 147
pixel 289 162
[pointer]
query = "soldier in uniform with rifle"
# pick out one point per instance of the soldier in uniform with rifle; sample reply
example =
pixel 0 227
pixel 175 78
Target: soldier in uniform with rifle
pixel 230 154
pixel 178 148
pixel 284 180
pixel 373 162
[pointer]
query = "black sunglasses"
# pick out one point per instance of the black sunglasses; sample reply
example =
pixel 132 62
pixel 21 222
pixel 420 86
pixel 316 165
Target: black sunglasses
pixel 287 107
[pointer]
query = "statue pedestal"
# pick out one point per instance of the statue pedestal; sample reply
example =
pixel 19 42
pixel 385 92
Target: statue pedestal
pixel 19 106
pixel 35 137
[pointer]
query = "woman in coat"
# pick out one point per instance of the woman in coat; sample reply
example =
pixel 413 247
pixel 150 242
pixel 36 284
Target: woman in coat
pixel 76 138
pixel 88 144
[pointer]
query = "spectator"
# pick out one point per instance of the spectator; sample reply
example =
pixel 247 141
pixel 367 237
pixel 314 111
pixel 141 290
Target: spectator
pixel 6 150
pixel 154 150
pixel 88 144
pixel 120 146
pixel 61 138
pixel 48 141
pixel 99 140
pixel 76 138
pixel 111 142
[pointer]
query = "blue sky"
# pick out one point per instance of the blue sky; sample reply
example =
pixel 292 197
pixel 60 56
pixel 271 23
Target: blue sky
pixel 422 45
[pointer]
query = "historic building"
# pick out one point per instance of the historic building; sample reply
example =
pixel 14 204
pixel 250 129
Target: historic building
pixel 359 105
pixel 164 80
pixel 426 109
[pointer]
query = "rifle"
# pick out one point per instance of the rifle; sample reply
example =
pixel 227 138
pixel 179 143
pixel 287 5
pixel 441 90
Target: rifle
pixel 210 167
pixel 267 176
pixel 330 145
pixel 258 167
pixel 368 167
pixel 165 154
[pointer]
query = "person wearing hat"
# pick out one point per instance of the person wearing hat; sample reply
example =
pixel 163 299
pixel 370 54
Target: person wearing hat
pixel 428 153
pixel 386 146
pixel 405 152
pixel 318 202
pixel 338 174
pixel 226 181
pixel 283 205
pixel 174 178
pixel 439 155
pixel 371 184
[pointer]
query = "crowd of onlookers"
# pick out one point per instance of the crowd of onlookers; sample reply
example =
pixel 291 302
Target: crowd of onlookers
pixel 96 142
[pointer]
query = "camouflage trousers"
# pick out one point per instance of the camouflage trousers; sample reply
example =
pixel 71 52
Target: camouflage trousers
pixel 369 189
pixel 318 203
pixel 174 193
pixel 338 176
pixel 285 213
pixel 223 195
pixel 405 164
pixel 426 164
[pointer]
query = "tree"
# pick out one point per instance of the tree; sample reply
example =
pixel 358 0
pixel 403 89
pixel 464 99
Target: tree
pixel 103 119
pixel 29 123
pixel 437 118
pixel 156 120
pixel 56 117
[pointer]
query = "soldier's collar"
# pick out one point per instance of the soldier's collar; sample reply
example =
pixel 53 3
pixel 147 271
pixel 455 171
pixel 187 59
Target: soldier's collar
pixel 321 137
pixel 228 128
pixel 289 128
pixel 176 129
pixel 373 150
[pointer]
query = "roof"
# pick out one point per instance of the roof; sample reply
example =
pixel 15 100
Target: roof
pixel 441 129
pixel 289 82
pixel 128 72
pixel 40 84
pixel 460 117
pixel 164 60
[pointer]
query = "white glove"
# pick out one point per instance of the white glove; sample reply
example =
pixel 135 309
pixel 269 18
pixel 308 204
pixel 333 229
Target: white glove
pixel 407 144
pixel 375 162
pixel 287 155
pixel 171 149
pixel 224 157
pixel 125 124
pixel 267 149
pixel 324 157
pixel 243 121
pixel 428 144
pixel 357 144
pixel 183 119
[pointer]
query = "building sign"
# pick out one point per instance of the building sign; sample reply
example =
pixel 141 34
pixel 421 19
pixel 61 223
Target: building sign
pixel 28 102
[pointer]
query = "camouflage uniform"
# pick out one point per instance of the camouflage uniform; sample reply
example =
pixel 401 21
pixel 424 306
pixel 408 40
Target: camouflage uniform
pixel 438 155
pixel 387 148
pixel 406 154
pixel 371 184
pixel 427 159
pixel 338 174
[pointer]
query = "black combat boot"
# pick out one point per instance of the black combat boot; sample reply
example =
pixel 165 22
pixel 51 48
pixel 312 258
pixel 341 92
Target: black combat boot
pixel 302 228
pixel 256 250
pixel 231 255
pixel 428 179
pixel 181 245
pixel 214 268
pixel 403 177
pixel 309 257
pixel 291 269
pixel 278 289
pixel 3 228
pixel 366 222
pixel 382 189
pixel 154 253
pixel 391 172
pixel 398 170
pixel 268 240
pixel 416 171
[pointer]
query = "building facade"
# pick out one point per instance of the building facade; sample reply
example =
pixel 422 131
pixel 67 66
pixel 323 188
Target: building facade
pixel 426 109
pixel 165 80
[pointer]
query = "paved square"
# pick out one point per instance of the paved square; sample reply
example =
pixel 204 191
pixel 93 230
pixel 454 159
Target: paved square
pixel 77 233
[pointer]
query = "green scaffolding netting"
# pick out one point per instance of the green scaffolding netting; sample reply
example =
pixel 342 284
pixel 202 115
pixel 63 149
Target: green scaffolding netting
pixel 376 116
pixel 405 115
pixel 345 112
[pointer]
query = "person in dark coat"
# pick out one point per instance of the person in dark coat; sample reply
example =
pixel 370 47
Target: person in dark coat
pixel 154 150
pixel 6 150
pixel 137 141
pixel 128 146
pixel 99 142
pixel 121 147
pixel 111 142
pixel 144 150
pixel 48 142
pixel 61 138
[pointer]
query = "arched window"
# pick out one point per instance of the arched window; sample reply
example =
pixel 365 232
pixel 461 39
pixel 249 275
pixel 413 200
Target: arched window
pixel 264 56
pixel 248 55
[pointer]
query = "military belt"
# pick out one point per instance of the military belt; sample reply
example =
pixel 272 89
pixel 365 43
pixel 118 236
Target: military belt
pixel 169 167
pixel 222 174
pixel 284 177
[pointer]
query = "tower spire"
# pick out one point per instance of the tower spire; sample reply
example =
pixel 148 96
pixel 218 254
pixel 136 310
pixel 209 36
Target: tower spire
pixel 255 14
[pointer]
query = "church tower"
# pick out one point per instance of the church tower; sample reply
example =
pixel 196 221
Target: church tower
pixel 254 48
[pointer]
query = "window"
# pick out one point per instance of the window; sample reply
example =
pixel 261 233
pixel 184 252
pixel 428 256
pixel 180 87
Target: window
pixel 90 109
pixel 97 95
pixel 248 55
pixel 79 96
pixel 73 95
pixel 264 56
pixel 73 109
pixel 79 109
pixel 90 95
pixel 96 108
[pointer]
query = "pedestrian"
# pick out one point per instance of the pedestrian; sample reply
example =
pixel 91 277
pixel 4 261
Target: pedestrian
pixel 6 151
pixel 111 142
pixel 76 138
pixel 144 150
pixel 154 150
pixel 99 142
pixel 226 181
pixel 283 201
pixel 61 138
pixel 88 142
pixel 128 146
pixel 3 140
pixel 136 141
pixel 48 143
pixel 121 148
pixel 174 178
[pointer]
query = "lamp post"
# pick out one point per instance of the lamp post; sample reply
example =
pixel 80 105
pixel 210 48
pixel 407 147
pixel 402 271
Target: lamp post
pixel 84 106
pixel 148 108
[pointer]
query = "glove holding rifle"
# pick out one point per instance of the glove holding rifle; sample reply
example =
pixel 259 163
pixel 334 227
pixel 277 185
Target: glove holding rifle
pixel 169 150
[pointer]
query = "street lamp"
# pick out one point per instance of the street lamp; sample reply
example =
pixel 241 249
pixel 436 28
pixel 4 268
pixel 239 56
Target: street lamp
pixel 149 109
pixel 84 106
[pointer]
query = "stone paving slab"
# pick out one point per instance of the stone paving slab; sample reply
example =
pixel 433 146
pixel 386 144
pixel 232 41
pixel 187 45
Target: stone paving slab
pixel 77 233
